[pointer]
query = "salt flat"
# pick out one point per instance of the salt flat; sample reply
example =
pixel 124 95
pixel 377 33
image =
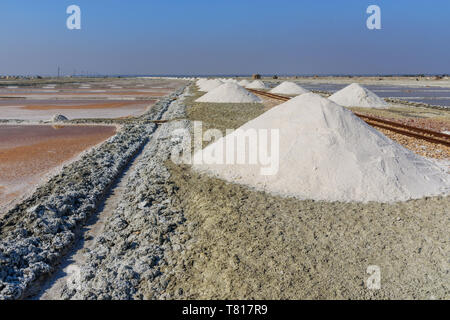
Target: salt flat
pixel 42 110
pixel 29 153
pixel 105 99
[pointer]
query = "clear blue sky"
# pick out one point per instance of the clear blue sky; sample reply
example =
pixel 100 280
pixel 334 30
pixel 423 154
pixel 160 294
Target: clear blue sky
pixel 225 37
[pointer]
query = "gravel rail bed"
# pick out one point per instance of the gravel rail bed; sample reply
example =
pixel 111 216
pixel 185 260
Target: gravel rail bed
pixel 38 232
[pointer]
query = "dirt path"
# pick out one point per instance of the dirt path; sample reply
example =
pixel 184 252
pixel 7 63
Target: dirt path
pixel 69 267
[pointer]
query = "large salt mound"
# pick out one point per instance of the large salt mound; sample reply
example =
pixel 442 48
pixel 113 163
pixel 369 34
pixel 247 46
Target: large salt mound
pixel 210 85
pixel 201 81
pixel 289 88
pixel 354 95
pixel 244 83
pixel 327 153
pixel 257 84
pixel 229 93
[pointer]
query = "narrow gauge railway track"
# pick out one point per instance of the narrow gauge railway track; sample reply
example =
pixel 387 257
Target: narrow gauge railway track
pixel 411 131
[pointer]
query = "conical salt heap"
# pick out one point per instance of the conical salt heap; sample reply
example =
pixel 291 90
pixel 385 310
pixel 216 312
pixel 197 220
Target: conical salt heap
pixel 257 84
pixel 229 93
pixel 210 85
pixel 354 95
pixel 327 153
pixel 289 88
pixel 200 82
pixel 244 83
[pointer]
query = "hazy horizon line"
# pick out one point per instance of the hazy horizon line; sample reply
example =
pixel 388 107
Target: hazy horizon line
pixel 227 75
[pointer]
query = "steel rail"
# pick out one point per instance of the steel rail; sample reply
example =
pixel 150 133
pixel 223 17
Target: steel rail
pixel 407 130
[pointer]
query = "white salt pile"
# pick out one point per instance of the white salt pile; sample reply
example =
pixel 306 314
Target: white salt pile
pixel 201 81
pixel 229 93
pixel 354 95
pixel 210 85
pixel 229 80
pixel 244 83
pixel 325 153
pixel 257 84
pixel 289 88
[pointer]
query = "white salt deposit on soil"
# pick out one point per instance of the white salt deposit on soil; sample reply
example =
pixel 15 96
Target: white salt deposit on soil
pixel 229 93
pixel 257 84
pixel 244 83
pixel 327 153
pixel 210 85
pixel 289 88
pixel 354 95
